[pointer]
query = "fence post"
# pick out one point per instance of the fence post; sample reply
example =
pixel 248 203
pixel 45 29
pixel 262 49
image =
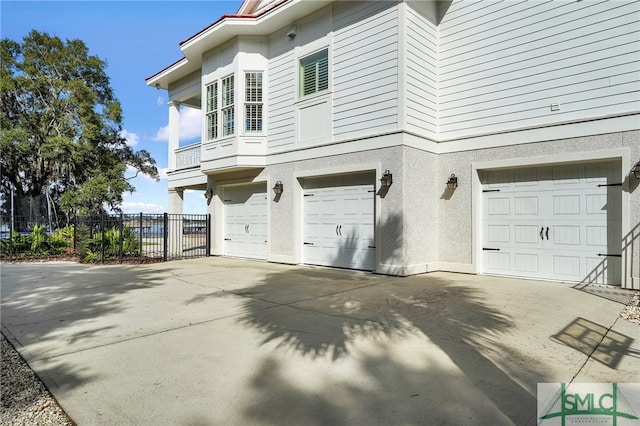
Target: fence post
pixel 102 237
pixel 121 239
pixel 11 240
pixel 141 233
pixel 165 237
pixel 74 226
pixel 208 236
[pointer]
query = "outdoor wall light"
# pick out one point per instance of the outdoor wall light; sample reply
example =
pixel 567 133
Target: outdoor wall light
pixel 636 170
pixel 278 188
pixel 387 179
pixel 208 194
pixel 452 183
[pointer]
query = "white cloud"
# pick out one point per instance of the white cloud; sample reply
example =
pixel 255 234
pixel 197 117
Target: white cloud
pixel 132 138
pixel 190 126
pixel 160 101
pixel 139 206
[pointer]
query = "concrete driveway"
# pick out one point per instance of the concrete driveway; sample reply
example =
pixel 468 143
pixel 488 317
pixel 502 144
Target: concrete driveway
pixel 218 341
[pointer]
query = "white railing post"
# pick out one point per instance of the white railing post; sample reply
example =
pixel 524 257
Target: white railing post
pixel 174 132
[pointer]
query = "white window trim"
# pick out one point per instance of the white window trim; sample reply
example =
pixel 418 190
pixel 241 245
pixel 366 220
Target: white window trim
pixel 246 103
pixel 215 112
pixel 228 107
pixel 299 76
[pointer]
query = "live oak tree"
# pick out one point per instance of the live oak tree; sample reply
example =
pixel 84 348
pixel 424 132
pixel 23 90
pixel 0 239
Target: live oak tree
pixel 61 129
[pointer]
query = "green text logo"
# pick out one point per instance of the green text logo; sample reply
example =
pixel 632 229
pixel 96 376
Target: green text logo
pixel 585 401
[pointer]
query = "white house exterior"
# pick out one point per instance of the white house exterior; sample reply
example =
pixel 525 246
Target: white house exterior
pixel 533 106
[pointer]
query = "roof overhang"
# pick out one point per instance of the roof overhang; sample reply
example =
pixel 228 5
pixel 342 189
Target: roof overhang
pixel 226 28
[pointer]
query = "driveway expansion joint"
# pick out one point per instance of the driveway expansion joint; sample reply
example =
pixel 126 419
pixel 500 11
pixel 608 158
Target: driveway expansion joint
pixel 595 348
pixel 295 302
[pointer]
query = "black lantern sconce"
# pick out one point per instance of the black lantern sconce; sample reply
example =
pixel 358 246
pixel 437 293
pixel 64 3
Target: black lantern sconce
pixel 278 188
pixel 387 179
pixel 208 194
pixel 636 170
pixel 452 183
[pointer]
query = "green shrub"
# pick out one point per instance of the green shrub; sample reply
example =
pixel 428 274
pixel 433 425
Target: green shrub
pixel 109 244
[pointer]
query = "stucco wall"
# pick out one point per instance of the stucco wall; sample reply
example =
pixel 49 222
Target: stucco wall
pixel 286 216
pixel 455 214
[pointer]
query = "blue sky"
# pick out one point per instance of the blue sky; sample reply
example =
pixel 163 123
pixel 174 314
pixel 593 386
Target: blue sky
pixel 137 39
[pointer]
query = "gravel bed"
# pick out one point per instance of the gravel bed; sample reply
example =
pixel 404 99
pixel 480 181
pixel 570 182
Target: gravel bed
pixel 631 312
pixel 24 399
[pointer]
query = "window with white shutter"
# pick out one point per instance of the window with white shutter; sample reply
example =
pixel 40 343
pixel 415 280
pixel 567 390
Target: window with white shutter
pixel 314 73
pixel 253 102
pixel 228 106
pixel 212 111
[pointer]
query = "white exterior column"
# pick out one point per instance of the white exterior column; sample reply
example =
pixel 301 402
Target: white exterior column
pixel 176 198
pixel 174 132
pixel 215 207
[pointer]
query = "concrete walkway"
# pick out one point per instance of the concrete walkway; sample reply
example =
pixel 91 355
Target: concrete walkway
pixel 219 341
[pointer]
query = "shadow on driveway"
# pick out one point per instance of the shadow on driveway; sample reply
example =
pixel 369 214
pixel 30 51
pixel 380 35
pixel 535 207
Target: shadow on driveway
pixel 404 382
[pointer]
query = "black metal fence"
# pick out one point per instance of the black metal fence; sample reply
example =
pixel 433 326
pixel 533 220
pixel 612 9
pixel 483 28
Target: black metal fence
pixel 118 238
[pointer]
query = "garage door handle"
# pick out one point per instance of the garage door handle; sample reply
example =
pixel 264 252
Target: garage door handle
pixel 542 233
pixel 340 230
pixel 547 233
pixel 336 229
pixel 227 239
pixel 308 244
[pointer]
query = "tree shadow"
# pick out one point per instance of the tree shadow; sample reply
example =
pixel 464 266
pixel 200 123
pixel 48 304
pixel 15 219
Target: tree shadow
pixel 44 305
pixel 338 313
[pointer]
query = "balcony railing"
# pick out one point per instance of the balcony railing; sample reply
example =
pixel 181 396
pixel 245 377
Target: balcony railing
pixel 188 156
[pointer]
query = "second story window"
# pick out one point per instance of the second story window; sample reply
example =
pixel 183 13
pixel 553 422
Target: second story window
pixel 253 102
pixel 314 73
pixel 228 106
pixel 212 111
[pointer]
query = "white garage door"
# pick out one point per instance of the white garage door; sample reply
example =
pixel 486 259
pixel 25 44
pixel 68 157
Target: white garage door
pixel 556 222
pixel 245 227
pixel 339 221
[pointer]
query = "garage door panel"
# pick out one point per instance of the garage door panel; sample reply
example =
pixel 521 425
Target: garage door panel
pixel 346 239
pixel 497 261
pixel 525 177
pixel 566 218
pixel 498 234
pixel 498 206
pixel 351 206
pixel 566 266
pixel 566 204
pixel 526 206
pixel 596 236
pixel 528 263
pixel 526 234
pixel 245 227
pixel 596 203
pixel 565 175
pixel 566 235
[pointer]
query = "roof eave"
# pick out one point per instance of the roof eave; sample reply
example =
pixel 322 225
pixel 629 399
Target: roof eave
pixel 230 26
pixel 173 72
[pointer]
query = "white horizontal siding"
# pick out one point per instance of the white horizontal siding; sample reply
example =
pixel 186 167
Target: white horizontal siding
pixel 421 67
pixel 503 64
pixel 281 93
pixel 365 68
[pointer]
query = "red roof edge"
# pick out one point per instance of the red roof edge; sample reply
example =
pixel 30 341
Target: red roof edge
pixel 234 16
